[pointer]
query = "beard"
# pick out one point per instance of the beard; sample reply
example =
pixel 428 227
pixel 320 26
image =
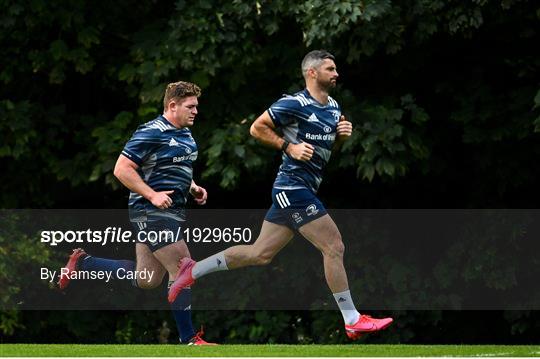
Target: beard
pixel 328 84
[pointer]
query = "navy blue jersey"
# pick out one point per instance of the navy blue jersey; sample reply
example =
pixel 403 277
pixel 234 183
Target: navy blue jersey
pixel 165 156
pixel 302 118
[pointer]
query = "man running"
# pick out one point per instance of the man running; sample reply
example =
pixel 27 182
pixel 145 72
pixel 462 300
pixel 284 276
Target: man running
pixel 156 165
pixel 311 122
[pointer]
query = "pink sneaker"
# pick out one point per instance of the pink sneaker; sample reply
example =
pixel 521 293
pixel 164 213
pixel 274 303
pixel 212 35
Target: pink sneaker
pixel 71 266
pixel 366 324
pixel 198 340
pixel 183 278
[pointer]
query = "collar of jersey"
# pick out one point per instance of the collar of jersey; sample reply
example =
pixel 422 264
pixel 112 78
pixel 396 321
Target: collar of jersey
pixel 170 126
pixel 317 103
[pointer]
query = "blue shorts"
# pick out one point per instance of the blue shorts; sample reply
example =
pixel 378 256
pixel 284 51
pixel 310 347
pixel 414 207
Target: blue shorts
pixel 157 232
pixel 294 208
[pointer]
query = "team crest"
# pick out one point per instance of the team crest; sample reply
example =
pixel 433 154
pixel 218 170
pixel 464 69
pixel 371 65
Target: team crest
pixel 312 210
pixel 336 114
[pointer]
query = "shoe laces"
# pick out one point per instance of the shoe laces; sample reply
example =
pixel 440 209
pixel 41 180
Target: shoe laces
pixel 199 335
pixel 179 265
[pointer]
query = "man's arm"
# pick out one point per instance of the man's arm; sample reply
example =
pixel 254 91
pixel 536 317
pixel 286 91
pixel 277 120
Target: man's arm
pixel 126 172
pixel 263 129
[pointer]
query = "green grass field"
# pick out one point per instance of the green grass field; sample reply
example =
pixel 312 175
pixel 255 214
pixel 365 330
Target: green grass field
pixel 59 350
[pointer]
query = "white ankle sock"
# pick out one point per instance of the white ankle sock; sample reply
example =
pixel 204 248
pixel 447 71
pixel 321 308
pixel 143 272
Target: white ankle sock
pixel 211 264
pixel 346 305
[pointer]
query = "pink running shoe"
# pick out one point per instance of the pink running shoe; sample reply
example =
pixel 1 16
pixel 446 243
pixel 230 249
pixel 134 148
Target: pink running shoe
pixel 183 278
pixel 198 340
pixel 71 266
pixel 366 324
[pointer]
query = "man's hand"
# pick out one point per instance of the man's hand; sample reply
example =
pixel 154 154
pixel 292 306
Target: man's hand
pixel 199 194
pixel 344 128
pixel 301 151
pixel 161 199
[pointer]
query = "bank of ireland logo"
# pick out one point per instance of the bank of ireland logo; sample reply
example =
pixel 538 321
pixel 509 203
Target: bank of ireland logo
pixel 327 129
pixel 188 150
pixel 296 216
pixel 312 210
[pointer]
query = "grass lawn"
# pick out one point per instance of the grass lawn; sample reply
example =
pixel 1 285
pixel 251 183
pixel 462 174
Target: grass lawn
pixel 58 350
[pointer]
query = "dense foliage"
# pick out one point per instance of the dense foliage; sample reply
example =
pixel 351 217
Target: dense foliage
pixel 444 96
pixel 437 90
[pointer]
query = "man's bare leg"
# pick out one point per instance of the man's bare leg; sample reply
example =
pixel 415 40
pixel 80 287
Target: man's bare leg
pixel 272 238
pixel 324 235
pixel 147 261
pixel 170 255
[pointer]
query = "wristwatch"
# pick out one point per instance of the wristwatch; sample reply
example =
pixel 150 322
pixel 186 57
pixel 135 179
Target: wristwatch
pixel 285 145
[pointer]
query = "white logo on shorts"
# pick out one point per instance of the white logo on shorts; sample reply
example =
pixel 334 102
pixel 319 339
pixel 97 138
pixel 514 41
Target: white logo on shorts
pixel 296 216
pixel 312 210
pixel 283 200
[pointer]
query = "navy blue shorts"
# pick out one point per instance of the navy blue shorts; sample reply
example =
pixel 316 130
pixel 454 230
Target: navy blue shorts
pixel 157 232
pixel 294 208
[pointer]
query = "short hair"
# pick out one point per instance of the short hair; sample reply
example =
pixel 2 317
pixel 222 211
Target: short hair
pixel 314 59
pixel 179 90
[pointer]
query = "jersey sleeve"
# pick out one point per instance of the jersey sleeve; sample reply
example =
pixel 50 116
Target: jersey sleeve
pixel 285 111
pixel 143 142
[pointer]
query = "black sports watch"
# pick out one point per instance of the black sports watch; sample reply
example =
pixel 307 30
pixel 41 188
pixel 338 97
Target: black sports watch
pixel 285 145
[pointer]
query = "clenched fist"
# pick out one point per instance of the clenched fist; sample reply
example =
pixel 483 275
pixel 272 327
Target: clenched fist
pixel 344 127
pixel 161 199
pixel 199 194
pixel 300 151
